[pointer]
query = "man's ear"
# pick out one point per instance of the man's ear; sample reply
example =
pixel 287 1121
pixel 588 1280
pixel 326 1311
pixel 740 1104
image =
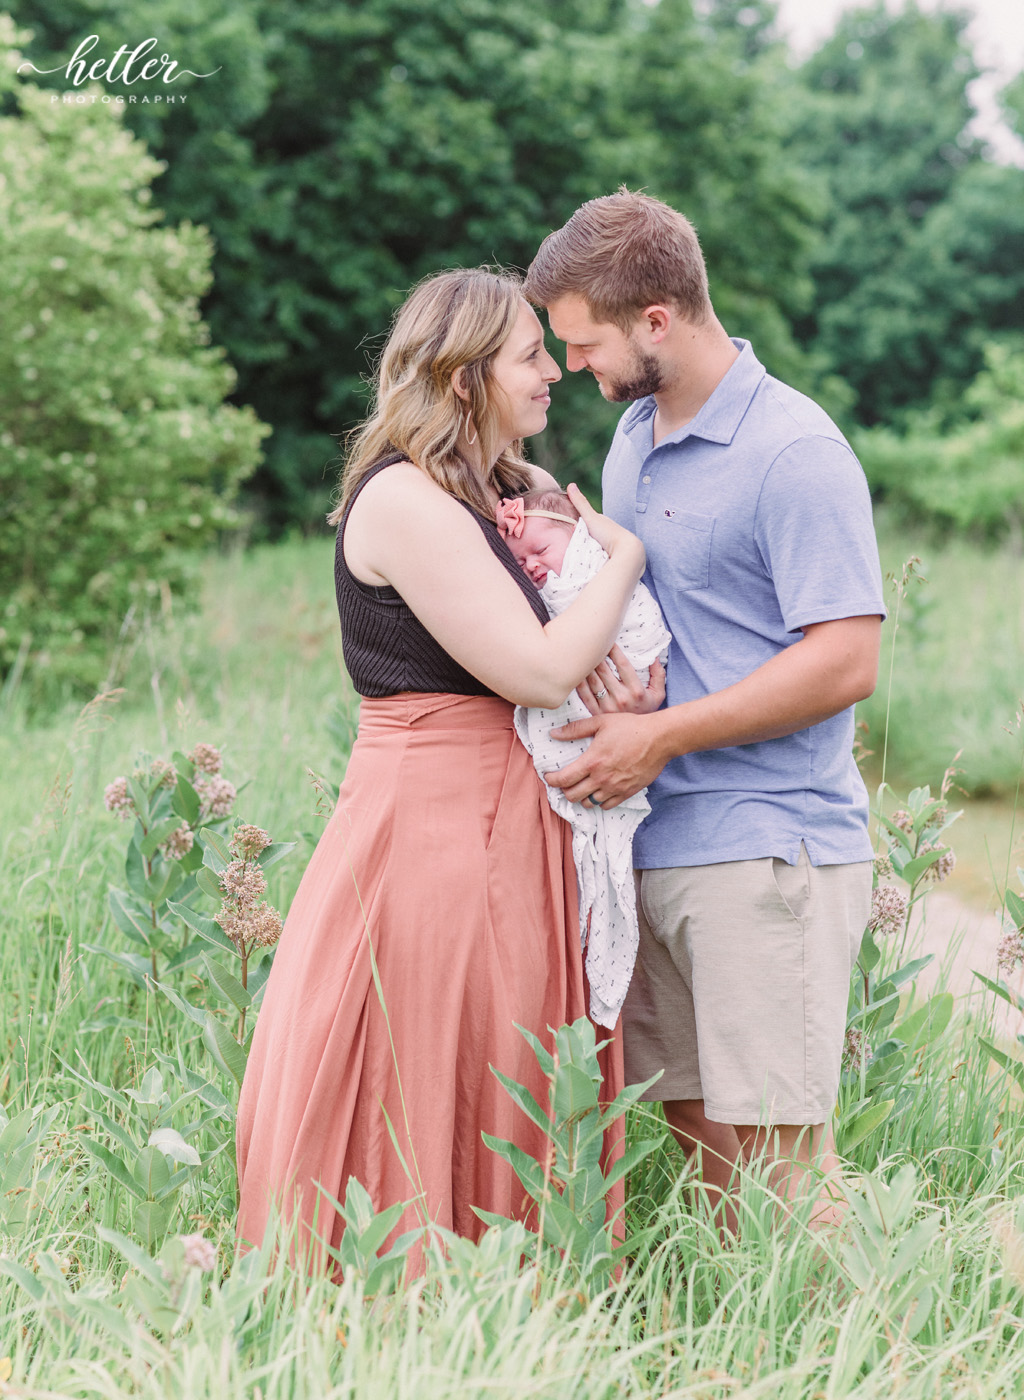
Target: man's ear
pixel 459 383
pixel 657 320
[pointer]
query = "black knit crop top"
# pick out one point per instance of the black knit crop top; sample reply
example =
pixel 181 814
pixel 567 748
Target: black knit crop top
pixel 387 649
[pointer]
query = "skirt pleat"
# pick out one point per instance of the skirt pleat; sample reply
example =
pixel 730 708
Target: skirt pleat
pixel 444 868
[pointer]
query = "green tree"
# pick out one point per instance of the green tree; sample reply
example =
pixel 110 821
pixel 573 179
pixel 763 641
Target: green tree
pixel 962 473
pixel 343 151
pixel 916 270
pixel 750 24
pixel 116 450
pixel 700 118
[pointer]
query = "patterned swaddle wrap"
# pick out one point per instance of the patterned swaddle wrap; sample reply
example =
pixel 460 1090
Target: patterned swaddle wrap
pixel 602 842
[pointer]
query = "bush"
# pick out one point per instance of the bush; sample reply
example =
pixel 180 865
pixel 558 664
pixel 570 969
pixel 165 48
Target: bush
pixel 964 475
pixel 116 448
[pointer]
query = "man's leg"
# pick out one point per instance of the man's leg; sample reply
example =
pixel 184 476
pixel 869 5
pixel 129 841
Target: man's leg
pixel 720 1153
pixel 720 1145
pixel 802 1161
pixel 741 992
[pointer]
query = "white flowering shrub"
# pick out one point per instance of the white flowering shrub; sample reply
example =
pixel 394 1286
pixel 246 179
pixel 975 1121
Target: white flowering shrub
pixel 117 451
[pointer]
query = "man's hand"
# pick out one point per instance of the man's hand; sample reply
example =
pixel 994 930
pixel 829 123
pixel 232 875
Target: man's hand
pixel 625 756
pixel 603 692
pixel 834 665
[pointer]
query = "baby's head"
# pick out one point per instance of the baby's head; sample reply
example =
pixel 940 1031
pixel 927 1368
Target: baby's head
pixel 537 528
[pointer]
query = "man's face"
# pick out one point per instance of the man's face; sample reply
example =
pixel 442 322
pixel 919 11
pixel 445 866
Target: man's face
pixel 623 369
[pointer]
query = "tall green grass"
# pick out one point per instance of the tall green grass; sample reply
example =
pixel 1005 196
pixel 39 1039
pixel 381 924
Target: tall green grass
pixel 922 1296
pixel 957 683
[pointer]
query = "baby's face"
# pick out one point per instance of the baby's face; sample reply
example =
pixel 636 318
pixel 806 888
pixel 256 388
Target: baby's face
pixel 541 547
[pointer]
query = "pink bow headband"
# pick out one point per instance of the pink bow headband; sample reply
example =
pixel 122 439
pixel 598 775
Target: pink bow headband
pixel 510 515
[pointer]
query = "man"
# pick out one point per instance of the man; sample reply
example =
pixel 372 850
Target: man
pixel 755 875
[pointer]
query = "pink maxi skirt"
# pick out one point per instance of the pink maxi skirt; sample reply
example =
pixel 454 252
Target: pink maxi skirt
pixel 444 857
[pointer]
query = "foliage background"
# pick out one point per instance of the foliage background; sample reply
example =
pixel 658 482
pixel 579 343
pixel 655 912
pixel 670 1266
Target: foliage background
pixel 854 230
pixel 116 450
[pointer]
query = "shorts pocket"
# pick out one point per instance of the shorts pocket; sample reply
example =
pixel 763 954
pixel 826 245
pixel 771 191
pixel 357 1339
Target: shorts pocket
pixel 684 548
pixel 792 884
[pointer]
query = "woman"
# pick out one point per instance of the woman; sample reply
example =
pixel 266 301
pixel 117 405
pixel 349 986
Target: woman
pixel 439 909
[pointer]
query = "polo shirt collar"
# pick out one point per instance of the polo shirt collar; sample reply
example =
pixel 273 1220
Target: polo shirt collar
pixel 721 415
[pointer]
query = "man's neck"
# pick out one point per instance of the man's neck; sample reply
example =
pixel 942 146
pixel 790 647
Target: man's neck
pixel 704 356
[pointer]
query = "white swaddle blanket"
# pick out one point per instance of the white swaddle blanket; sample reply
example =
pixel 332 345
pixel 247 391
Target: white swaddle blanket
pixel 602 842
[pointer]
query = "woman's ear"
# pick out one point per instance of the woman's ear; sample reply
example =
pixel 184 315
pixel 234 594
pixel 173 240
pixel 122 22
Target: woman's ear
pixel 459 383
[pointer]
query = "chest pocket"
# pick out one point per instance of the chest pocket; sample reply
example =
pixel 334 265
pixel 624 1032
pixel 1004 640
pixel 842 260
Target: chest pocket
pixel 683 547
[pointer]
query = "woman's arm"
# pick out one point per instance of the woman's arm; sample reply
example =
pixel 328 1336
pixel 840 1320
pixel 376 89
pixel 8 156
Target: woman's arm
pixel 405 531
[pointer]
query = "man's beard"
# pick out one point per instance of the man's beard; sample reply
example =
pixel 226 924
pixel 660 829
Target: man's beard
pixel 644 378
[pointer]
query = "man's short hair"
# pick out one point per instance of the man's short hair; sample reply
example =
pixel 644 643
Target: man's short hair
pixel 621 253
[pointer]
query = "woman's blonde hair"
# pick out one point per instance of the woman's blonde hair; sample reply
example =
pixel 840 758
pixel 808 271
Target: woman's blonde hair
pixel 455 320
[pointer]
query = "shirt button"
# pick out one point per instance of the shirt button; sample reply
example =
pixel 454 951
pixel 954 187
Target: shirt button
pixel 647 481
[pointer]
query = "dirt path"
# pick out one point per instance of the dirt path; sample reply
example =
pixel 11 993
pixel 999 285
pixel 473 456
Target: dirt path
pixel 963 940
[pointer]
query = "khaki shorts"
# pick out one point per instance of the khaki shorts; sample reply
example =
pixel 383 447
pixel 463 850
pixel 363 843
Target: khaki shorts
pixel 741 985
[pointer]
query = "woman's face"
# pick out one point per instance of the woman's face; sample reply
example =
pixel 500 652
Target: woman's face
pixel 522 370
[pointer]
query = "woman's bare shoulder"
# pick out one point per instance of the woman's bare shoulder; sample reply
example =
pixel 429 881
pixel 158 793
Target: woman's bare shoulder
pixel 402 498
pixel 402 483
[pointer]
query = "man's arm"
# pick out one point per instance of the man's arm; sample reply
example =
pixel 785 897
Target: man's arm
pixel 832 667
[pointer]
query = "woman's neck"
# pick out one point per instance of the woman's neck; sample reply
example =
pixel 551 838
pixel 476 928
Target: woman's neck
pixel 470 454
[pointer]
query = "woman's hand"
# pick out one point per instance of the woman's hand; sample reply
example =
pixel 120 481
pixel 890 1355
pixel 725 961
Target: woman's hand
pixel 604 692
pixel 608 534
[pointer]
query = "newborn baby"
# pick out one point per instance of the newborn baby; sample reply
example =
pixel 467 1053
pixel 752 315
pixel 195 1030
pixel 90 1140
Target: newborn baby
pixel 554 548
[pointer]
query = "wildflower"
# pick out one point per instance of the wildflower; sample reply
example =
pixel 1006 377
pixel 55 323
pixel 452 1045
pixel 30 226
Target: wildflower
pixel 250 926
pixel 248 841
pixel 903 820
pixel 939 869
pixel 232 922
pixel 266 924
pixel 1010 950
pixel 163 773
pixel 116 798
pixel 888 911
pixel 856 1051
pixel 242 882
pixel 179 843
pixel 883 867
pixel 206 758
pixel 200 1253
pixel 216 795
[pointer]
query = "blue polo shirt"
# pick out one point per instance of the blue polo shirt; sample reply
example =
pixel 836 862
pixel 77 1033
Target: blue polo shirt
pixel 757 522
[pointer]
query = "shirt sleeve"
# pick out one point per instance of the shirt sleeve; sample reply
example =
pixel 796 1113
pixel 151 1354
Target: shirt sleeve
pixel 814 531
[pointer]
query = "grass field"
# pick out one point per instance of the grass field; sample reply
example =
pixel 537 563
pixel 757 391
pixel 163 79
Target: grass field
pixel 921 1296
